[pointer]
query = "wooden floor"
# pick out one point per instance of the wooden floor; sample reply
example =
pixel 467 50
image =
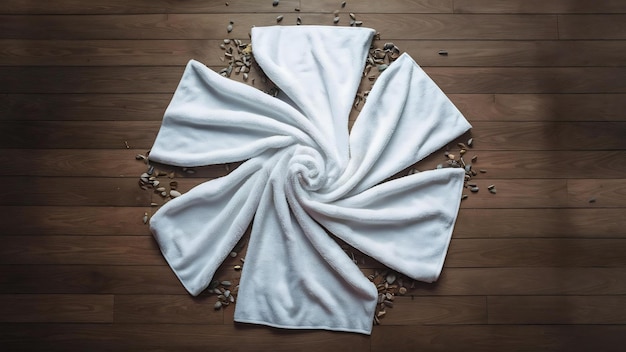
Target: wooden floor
pixel 538 267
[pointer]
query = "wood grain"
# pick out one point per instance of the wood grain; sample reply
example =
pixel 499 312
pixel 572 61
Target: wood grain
pixel 73 220
pixel 83 7
pixel 486 53
pixel 611 26
pixel 464 80
pixel 101 250
pixel 498 164
pixel 436 310
pixel 556 309
pixel 173 337
pixel 143 250
pixel 475 107
pixel 539 266
pixel 84 107
pixel 498 338
pixel 138 279
pixel 545 223
pixel 536 252
pixel 213 26
pixel 167 309
pixel 472 223
pixel 140 135
pixel 538 6
pixel 73 191
pixel 91 279
pixel 57 308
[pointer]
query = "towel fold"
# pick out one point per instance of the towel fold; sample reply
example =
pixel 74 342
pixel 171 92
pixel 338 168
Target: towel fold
pixel 304 175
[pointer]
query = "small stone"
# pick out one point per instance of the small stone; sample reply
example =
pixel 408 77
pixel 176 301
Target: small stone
pixel 402 290
pixel 336 19
pixel 443 52
pixel 463 197
pixel 470 142
pixel 592 200
pixel 140 157
pixel 145 218
pixel 217 305
pixel 229 29
pixel 226 283
pixel 483 171
pixel 237 267
pixel 451 156
pixel 279 18
pixel 391 278
pixel 175 194
pixel 352 16
pixel 343 4
pixel 233 254
pixel 474 158
pixel 298 21
pixel 474 189
pixel 275 3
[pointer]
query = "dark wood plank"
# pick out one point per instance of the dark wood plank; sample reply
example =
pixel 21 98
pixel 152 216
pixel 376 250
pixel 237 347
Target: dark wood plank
pixel 167 309
pixel 96 191
pixel 472 223
pixel 436 310
pixel 79 134
pixel 100 250
pixel 16 52
pixel 82 7
pixel 452 80
pixel 160 280
pixel 74 220
pixel 498 338
pixel 560 223
pixel 528 80
pixel 598 193
pixel 557 309
pixel 96 163
pixel 498 164
pixel 374 6
pixel 559 107
pixel 536 252
pixel 534 164
pixel 213 26
pixel 514 53
pixel 57 308
pixel 72 162
pixel 602 27
pixel 539 6
pixel 91 279
pixel 84 107
pixel 174 337
pixel 475 107
pixel 143 250
pixel 74 191
pixel 140 135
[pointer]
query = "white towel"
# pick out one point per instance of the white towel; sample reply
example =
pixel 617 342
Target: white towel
pixel 304 175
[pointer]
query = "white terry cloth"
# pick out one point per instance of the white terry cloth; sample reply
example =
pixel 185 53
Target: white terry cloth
pixel 305 175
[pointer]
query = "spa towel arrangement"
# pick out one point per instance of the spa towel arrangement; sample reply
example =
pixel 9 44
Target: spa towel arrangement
pixel 305 176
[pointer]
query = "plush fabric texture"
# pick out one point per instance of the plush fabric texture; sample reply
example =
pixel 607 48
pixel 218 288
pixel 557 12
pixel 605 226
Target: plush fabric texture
pixel 305 176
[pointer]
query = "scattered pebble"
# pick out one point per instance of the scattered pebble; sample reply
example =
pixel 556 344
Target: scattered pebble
pixel 275 3
pixel 279 19
pixel 443 52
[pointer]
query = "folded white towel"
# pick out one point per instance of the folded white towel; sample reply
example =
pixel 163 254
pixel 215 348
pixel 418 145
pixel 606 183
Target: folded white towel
pixel 304 174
